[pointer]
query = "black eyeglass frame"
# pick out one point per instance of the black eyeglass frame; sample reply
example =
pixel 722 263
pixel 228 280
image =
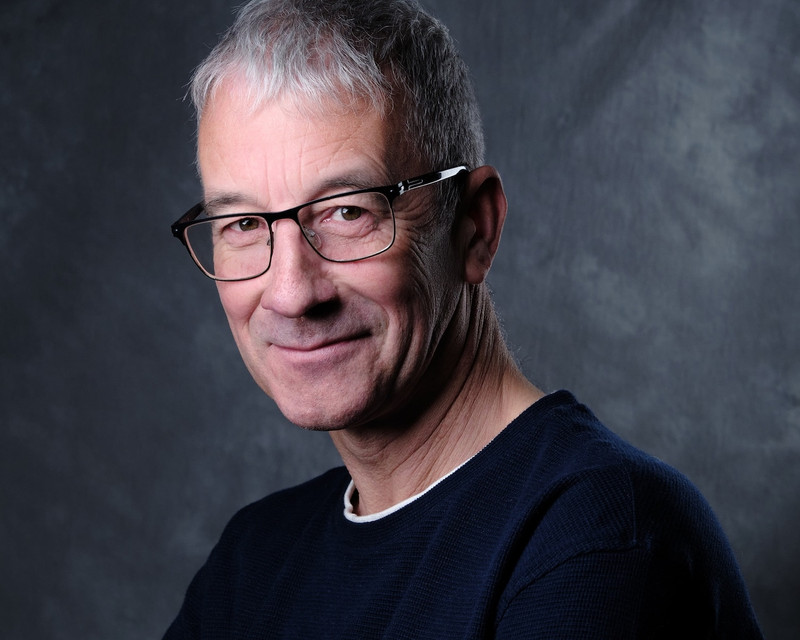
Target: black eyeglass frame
pixel 391 192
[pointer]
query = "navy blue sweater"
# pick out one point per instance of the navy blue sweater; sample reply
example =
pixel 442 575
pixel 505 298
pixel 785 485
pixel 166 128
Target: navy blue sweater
pixel 557 529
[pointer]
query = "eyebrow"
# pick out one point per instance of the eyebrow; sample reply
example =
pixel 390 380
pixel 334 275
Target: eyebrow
pixel 223 199
pixel 351 182
pixel 341 184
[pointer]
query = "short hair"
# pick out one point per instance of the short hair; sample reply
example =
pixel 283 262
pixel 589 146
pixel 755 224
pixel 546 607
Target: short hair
pixel 389 53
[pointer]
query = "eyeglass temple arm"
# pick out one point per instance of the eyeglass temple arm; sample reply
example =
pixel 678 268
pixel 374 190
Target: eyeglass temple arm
pixel 191 214
pixel 428 178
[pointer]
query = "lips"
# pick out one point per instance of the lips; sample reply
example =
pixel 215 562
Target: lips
pixel 309 334
pixel 304 361
pixel 317 343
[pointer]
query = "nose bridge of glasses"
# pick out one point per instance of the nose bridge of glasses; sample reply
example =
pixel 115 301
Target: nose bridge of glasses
pixel 305 232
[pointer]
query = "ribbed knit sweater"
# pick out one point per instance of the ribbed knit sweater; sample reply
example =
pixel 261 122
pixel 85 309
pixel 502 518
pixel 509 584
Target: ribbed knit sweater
pixel 556 529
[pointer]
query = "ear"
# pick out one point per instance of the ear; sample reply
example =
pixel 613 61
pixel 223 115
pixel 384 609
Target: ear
pixel 480 221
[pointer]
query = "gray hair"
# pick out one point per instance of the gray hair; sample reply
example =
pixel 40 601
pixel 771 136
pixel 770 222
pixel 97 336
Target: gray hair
pixel 387 53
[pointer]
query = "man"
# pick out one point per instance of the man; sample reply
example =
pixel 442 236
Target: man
pixel 470 504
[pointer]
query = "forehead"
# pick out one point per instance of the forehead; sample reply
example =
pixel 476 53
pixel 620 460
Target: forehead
pixel 287 147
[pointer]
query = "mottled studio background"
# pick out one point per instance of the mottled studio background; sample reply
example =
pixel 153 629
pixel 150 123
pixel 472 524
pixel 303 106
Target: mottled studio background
pixel 651 152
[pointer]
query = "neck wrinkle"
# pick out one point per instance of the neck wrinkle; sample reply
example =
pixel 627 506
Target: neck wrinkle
pixel 487 391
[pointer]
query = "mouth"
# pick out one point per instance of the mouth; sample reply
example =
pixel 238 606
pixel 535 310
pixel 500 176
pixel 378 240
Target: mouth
pixel 319 344
pixel 321 356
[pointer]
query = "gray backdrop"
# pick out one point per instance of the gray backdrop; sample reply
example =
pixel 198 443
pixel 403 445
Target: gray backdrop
pixel 651 153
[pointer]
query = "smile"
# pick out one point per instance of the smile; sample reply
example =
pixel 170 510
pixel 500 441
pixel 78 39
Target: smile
pixel 320 344
pixel 319 353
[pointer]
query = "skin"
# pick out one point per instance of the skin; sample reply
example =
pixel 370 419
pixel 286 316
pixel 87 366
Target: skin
pixel 399 356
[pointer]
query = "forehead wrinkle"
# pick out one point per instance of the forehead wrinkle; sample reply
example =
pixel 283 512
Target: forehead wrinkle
pixel 317 156
pixel 337 163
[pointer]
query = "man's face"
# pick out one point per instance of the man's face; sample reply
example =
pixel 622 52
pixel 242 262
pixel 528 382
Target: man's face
pixel 334 344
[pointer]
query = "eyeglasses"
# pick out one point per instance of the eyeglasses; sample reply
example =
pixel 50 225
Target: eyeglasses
pixel 342 228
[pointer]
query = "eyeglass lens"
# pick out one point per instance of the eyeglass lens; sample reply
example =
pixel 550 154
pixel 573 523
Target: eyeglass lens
pixel 341 229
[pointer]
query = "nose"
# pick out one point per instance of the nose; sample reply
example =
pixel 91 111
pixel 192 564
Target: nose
pixel 296 283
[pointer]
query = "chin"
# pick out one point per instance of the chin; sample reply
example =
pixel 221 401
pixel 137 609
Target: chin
pixel 316 417
pixel 322 405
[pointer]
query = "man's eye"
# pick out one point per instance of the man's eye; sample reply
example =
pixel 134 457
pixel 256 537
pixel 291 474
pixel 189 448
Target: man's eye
pixel 246 224
pixel 348 213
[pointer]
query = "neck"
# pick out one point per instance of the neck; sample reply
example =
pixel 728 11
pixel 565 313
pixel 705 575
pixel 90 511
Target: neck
pixel 484 391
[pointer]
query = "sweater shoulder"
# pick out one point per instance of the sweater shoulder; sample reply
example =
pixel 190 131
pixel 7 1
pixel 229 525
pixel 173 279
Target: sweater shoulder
pixel 286 509
pixel 590 491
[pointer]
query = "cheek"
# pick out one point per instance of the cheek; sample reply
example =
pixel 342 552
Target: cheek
pixel 413 295
pixel 432 272
pixel 239 300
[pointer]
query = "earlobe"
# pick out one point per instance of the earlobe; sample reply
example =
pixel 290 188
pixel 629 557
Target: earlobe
pixel 482 216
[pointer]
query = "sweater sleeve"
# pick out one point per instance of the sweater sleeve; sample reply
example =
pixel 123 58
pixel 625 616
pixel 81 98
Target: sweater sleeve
pixel 185 626
pixel 622 594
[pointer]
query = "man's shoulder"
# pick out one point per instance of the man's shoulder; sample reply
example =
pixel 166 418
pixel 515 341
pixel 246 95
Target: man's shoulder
pixel 596 504
pixel 290 507
pixel 565 444
pixel 591 491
